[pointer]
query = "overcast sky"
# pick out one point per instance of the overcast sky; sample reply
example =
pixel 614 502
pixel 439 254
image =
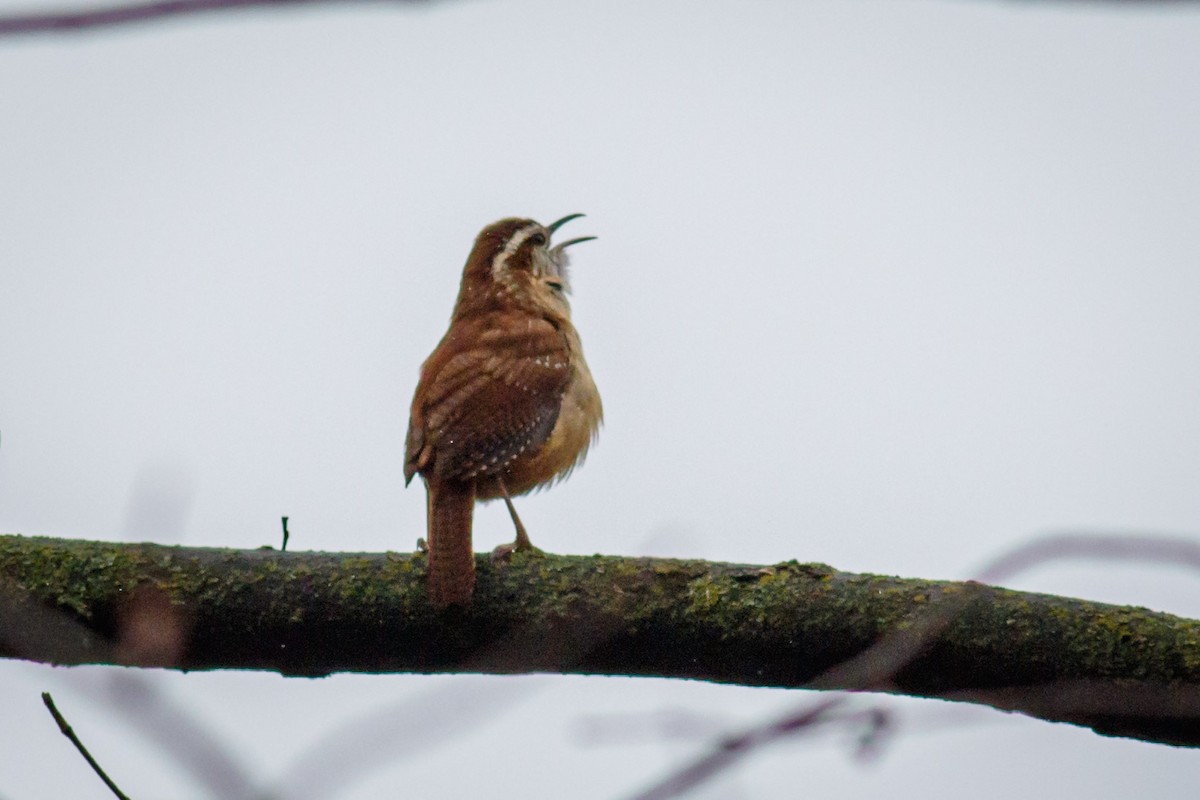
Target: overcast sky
pixel 888 285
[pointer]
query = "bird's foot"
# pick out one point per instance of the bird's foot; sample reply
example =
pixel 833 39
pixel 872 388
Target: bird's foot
pixel 505 552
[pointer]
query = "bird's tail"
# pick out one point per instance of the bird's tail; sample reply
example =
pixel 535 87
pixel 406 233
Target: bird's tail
pixel 451 575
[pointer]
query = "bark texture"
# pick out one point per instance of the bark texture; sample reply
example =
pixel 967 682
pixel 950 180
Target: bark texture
pixel 1120 670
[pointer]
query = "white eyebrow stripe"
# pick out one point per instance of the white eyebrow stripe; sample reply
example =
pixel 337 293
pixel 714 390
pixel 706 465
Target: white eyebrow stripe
pixel 513 245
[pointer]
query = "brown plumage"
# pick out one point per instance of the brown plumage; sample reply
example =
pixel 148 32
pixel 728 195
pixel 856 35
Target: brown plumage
pixel 505 403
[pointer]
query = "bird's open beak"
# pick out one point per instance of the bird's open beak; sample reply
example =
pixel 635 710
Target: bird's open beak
pixel 570 242
pixel 553 226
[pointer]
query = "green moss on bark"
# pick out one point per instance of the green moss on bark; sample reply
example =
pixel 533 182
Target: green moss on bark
pixel 68 601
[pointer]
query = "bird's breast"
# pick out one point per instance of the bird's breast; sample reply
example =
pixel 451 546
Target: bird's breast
pixel 578 423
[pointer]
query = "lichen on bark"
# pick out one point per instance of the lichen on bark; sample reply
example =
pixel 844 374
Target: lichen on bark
pixel 1124 670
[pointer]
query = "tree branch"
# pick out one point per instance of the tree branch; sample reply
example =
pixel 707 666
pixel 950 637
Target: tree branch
pixel 69 20
pixel 1119 670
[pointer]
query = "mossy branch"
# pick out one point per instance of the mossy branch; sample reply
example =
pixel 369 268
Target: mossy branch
pixel 1119 670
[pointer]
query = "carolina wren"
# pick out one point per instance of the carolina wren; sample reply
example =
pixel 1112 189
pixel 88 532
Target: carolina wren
pixel 505 403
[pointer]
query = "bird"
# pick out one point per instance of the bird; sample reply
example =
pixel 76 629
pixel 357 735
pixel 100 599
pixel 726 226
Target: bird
pixel 505 403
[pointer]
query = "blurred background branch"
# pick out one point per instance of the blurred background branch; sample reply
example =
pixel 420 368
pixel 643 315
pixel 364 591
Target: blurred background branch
pixel 77 19
pixel 1120 670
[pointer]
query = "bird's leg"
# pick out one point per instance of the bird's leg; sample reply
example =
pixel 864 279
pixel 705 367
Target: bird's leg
pixel 522 543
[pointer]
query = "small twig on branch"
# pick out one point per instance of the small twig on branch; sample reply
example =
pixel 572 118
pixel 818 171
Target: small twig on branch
pixel 68 732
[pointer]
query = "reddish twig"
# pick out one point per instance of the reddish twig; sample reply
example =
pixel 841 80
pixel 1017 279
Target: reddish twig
pixel 1067 545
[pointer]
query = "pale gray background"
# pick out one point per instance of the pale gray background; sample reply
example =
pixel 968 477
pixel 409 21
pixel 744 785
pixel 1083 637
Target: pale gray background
pixel 889 285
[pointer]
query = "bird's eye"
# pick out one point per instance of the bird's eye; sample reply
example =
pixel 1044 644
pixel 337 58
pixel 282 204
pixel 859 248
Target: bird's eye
pixel 538 238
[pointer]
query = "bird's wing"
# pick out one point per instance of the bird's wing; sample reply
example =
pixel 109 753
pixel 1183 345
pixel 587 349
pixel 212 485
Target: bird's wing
pixel 491 391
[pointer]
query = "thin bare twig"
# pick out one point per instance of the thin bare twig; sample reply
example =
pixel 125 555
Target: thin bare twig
pixel 68 732
pixel 1082 545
